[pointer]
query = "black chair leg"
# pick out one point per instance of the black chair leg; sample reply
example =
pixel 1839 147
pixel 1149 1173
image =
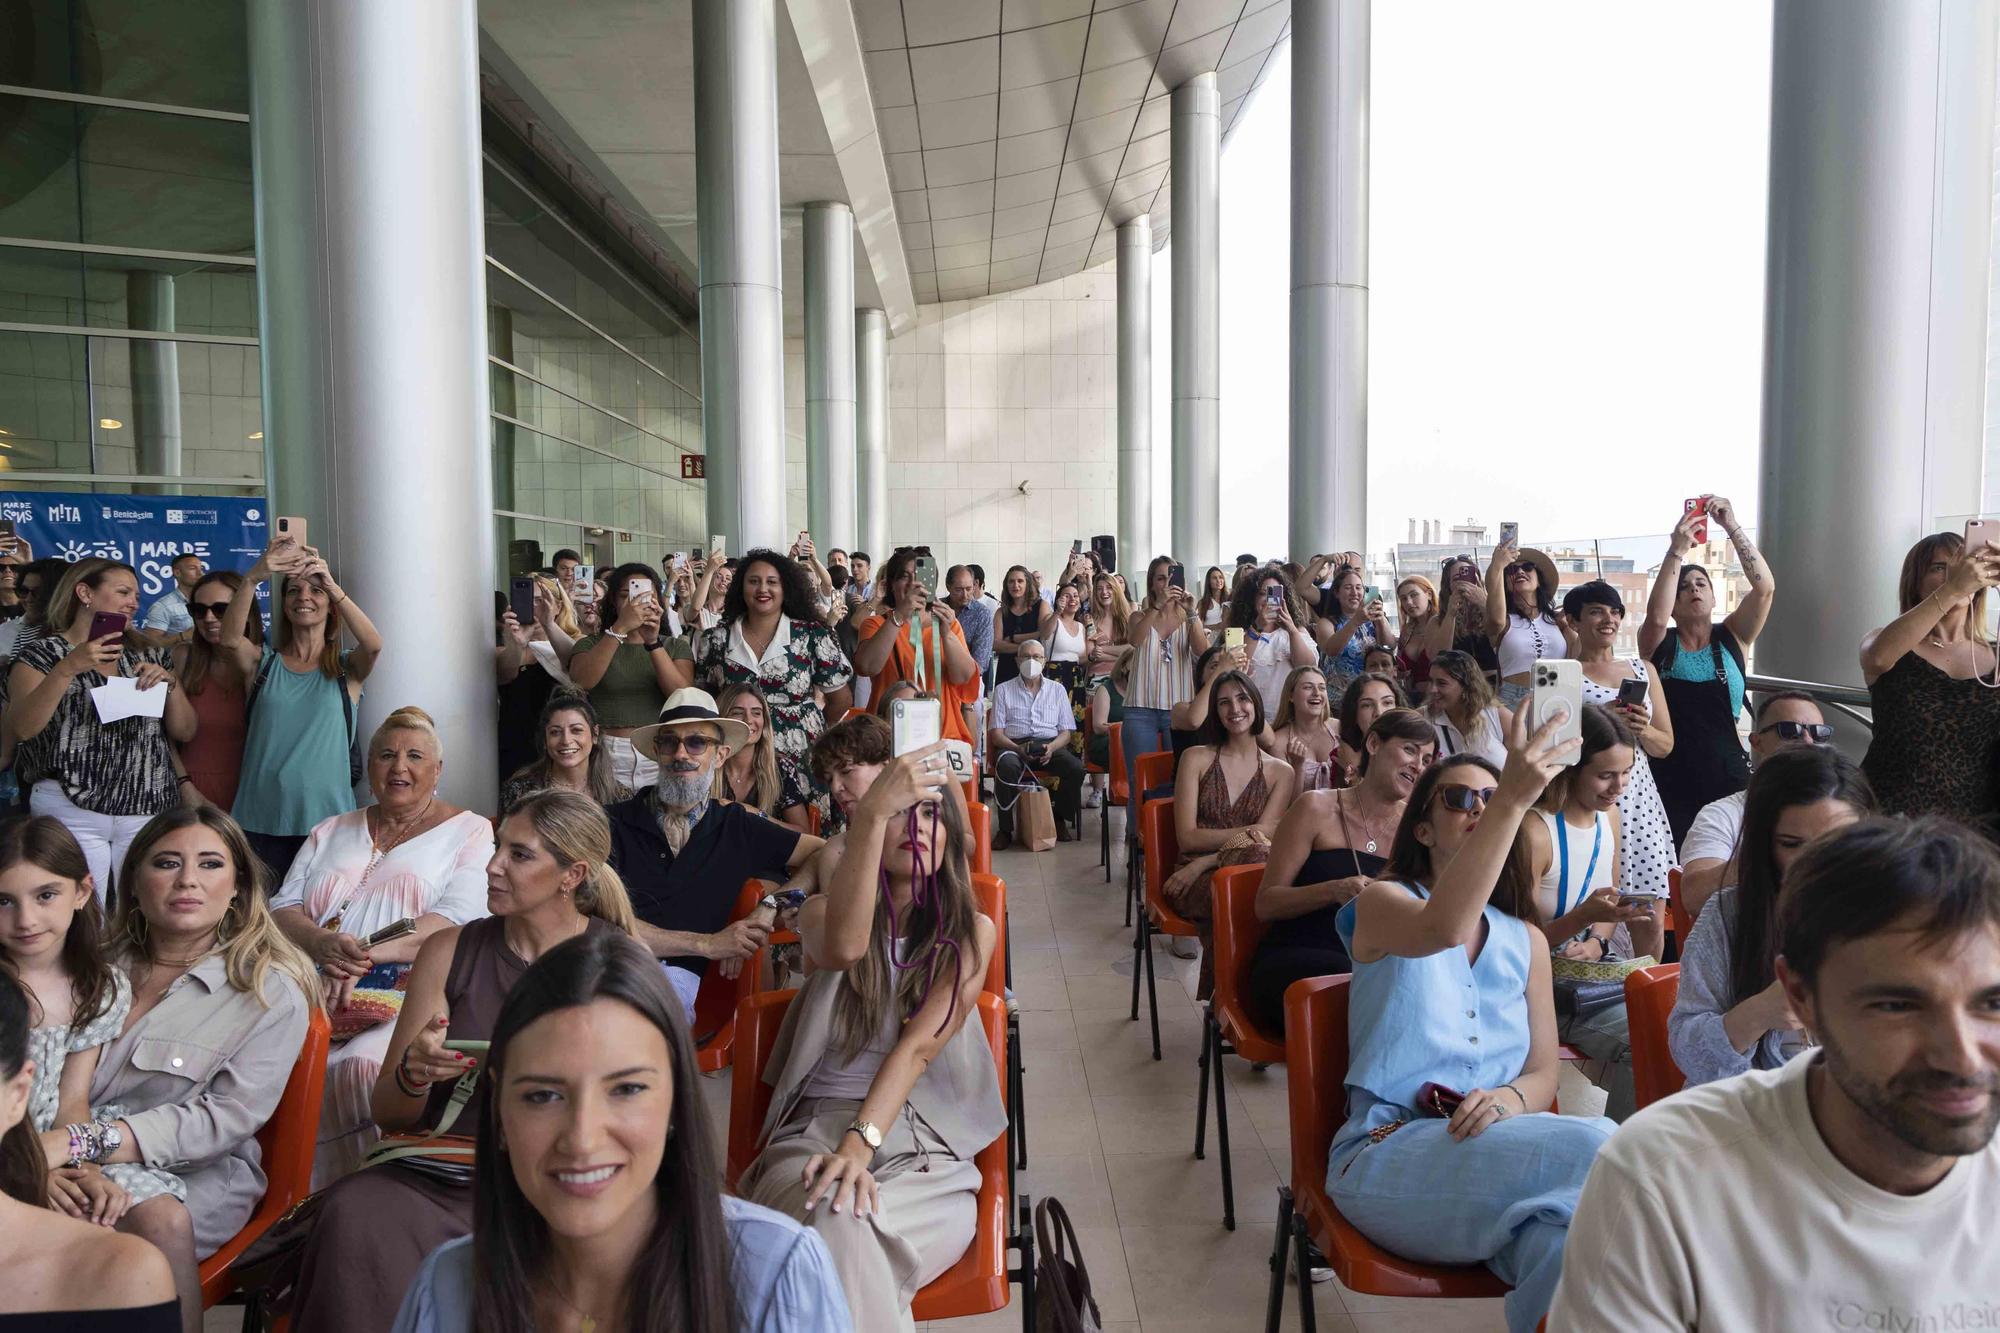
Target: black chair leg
pixel 1222 1131
pixel 1024 1240
pixel 1152 991
pixel 1016 1072
pixel 1104 834
pixel 1139 945
pixel 1201 1100
pixel 1281 1245
pixel 1301 1245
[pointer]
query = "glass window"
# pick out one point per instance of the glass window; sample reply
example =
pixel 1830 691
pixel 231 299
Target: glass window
pixel 185 53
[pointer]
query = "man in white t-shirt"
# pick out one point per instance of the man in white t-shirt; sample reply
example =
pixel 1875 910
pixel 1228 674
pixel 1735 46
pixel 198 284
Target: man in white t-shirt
pixel 1857 1186
pixel 1782 721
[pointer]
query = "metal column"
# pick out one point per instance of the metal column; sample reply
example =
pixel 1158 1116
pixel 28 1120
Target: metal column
pixel 742 300
pixel 1329 451
pixel 156 377
pixel 372 297
pixel 1197 316
pixel 871 431
pixel 830 328
pixel 1135 393
pixel 1875 306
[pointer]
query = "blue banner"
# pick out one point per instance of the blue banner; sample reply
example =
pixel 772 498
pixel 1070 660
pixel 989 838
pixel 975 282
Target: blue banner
pixel 144 531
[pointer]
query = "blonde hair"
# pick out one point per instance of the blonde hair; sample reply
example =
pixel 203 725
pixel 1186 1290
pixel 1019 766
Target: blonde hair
pixel 1430 594
pixel 62 605
pixel 248 938
pixel 1285 709
pixel 765 764
pixel 1121 609
pixel 573 828
pixel 407 718
pixel 565 609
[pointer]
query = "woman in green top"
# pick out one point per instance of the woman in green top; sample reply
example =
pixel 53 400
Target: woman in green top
pixel 304 693
pixel 629 669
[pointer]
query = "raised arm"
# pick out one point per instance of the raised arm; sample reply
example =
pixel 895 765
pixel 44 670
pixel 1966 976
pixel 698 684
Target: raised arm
pixel 1746 622
pixel 1666 587
pixel 835 927
pixel 235 641
pixel 1496 591
pixel 367 639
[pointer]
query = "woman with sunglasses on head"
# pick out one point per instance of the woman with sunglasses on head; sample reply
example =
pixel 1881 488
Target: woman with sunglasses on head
pixel 1461 703
pixel 215 685
pixel 1327 848
pixel 1450 1153
pixel 1021 617
pixel 1521 616
pixel 1461 619
pixel 1700 662
pixel 1270 616
pixel 885 1092
pixel 1731 1014
pixel 1931 677
pixel 1347 623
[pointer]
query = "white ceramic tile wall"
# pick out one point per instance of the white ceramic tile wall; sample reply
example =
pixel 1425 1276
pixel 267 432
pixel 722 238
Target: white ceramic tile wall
pixel 987 395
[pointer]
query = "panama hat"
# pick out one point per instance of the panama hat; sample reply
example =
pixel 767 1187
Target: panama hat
pixel 688 708
pixel 1544 567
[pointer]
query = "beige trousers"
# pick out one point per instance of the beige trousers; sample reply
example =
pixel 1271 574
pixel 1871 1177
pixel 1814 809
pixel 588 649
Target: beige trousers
pixel 925 1222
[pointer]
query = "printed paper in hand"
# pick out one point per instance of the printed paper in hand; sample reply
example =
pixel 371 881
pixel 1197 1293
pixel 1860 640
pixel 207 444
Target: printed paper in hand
pixel 120 697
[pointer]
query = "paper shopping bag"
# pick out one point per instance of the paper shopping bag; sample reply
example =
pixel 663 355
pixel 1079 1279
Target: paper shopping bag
pixel 1035 820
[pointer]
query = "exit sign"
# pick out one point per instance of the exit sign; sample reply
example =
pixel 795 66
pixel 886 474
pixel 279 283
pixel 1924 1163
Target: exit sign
pixel 693 467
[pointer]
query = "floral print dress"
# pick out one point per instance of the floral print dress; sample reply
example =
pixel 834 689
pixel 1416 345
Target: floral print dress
pixel 803 657
pixel 50 1046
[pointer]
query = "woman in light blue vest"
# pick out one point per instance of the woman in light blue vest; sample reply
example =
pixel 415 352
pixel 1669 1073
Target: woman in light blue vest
pixel 1451 999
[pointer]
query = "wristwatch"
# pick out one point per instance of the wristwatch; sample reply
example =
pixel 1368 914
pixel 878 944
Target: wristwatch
pixel 655 645
pixel 869 1134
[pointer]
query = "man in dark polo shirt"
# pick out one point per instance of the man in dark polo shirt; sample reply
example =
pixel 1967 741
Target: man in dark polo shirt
pixel 684 856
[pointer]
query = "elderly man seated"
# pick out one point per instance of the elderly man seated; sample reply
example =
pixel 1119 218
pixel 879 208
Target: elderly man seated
pixel 1030 729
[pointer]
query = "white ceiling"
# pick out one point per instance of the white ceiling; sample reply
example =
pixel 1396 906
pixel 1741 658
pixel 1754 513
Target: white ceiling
pixel 1016 134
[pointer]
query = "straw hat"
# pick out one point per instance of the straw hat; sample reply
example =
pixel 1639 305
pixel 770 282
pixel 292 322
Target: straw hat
pixel 1545 568
pixel 690 708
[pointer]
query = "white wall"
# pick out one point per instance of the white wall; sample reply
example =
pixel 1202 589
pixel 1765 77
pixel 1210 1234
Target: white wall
pixel 985 395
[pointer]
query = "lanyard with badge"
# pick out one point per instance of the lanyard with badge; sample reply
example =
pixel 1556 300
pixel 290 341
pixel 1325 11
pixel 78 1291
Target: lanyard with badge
pixel 917 655
pixel 1562 847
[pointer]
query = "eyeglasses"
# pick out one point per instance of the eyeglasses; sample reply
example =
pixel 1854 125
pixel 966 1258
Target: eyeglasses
pixel 1819 733
pixel 200 609
pixel 1457 796
pixel 694 747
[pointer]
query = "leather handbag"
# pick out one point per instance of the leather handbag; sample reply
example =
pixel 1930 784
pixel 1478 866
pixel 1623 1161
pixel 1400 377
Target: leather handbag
pixel 1063 1303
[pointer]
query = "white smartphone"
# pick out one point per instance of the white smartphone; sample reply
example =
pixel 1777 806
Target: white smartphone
pixel 914 723
pixel 637 589
pixel 1558 693
pixel 583 583
pixel 717 543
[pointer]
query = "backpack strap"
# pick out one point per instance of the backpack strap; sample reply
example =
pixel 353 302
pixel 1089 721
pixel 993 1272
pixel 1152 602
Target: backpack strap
pixel 257 685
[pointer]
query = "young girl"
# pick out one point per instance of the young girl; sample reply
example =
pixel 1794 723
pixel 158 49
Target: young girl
pixel 1303 734
pixel 50 934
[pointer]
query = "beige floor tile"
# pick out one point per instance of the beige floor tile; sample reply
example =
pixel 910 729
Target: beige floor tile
pixel 1103 992
pixel 1047 1030
pixel 1052 1074
pixel 1203 1272
pixel 1061 1126
pixel 1079 1180
pixel 1150 1188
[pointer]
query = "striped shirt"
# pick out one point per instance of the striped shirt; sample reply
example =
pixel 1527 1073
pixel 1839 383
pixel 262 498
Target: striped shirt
pixel 120 769
pixel 1162 671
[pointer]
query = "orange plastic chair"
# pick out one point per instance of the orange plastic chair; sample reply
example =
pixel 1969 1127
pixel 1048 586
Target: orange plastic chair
pixel 1161 849
pixel 1677 916
pixel 1650 993
pixel 1316 1056
pixel 287 1142
pixel 714 1025
pixel 977 1283
pixel 979 828
pixel 812 818
pixel 991 892
pixel 1155 771
pixel 1115 795
pixel 1227 1028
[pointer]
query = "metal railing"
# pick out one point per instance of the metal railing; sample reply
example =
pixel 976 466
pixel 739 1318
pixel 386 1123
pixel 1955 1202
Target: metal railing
pixel 1847 700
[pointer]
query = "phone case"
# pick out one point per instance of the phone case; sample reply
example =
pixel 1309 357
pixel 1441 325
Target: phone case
pixel 1558 692
pixel 914 723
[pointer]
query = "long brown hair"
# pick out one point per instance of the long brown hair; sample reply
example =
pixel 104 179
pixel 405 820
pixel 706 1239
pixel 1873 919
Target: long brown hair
pixel 540 770
pixel 1411 862
pixel 281 629
pixel 23 1165
pixel 680 1280
pixel 764 763
pixel 43 843
pixel 251 944
pixel 947 915
pixel 201 657
pixel 1949 546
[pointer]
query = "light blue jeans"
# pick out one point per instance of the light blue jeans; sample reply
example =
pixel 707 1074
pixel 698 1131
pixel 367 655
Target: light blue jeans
pixel 1146 730
pixel 1511 695
pixel 1503 1199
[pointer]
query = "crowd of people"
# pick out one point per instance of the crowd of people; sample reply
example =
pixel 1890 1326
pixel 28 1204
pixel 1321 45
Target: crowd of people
pixel 510 1135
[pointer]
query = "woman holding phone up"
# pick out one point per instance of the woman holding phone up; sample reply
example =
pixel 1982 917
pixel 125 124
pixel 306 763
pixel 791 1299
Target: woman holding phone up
pixel 101 780
pixel 629 669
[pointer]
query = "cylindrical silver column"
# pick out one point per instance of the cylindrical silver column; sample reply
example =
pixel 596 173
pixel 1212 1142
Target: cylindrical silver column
pixel 1875 306
pixel 742 297
pixel 156 376
pixel 1329 454
pixel 871 431
pixel 1197 316
pixel 1135 393
pixel 830 328
pixel 371 289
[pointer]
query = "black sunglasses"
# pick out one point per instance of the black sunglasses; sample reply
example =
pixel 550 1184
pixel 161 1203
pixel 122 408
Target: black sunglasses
pixel 200 609
pixel 1457 796
pixel 1818 732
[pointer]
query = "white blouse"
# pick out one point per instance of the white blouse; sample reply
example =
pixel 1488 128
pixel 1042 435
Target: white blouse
pixel 441 871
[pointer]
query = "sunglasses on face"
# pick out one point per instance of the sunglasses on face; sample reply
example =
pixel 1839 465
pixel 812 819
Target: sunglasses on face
pixel 1819 733
pixel 1457 796
pixel 201 609
pixel 694 747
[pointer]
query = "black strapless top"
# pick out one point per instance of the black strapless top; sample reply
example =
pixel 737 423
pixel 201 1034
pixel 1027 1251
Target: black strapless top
pixel 1316 928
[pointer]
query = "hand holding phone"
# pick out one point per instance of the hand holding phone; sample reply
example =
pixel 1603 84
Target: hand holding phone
pixel 395 930
pixel 1694 520
pixel 1557 693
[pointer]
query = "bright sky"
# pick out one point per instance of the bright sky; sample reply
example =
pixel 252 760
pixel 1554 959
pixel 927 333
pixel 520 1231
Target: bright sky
pixel 1566 272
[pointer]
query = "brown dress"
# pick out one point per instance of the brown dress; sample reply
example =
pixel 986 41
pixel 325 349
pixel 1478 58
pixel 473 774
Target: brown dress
pixel 378 1225
pixel 1190 889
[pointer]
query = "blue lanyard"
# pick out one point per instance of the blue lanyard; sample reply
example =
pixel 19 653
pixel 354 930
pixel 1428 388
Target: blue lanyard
pixel 1562 846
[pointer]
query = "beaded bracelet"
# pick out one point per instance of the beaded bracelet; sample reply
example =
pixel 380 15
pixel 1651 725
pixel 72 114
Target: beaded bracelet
pixel 403 1081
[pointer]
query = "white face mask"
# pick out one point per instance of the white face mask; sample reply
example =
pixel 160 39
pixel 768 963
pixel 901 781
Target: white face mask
pixel 1031 668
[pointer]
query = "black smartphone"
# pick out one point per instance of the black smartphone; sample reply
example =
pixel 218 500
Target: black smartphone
pixel 1076 547
pixel 6 529
pixel 106 623
pixel 521 600
pixel 1177 575
pixel 1632 692
pixel 1107 552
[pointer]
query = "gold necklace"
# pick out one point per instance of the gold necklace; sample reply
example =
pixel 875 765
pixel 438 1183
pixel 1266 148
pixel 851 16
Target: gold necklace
pixel 589 1321
pixel 377 850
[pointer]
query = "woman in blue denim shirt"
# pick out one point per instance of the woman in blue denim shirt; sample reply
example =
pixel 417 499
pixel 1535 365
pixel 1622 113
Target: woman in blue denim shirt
pixel 1451 990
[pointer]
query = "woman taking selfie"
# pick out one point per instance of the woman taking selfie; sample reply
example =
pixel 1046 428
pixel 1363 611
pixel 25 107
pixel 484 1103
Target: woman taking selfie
pixel 215 981
pixel 1303 734
pixel 1347 625
pixel 546 884
pixel 303 698
pixel 1461 621
pixel 1731 1015
pixel 1700 664
pixel 1214 605
pixel 62 1272
pixel 408 857
pixel 1520 616
pixel 1931 676
pixel 884 1091
pixel 1450 1154
pixel 751 775
pixel 571 756
pixel 101 780
pixel 1326 849
pixel 216 690
pixel 1022 612
pixel 1269 615
pixel 1469 720
pixel 629 669
pixel 596 1077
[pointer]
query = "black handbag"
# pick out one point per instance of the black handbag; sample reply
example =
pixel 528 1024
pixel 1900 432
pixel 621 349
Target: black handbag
pixel 1580 999
pixel 1063 1303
